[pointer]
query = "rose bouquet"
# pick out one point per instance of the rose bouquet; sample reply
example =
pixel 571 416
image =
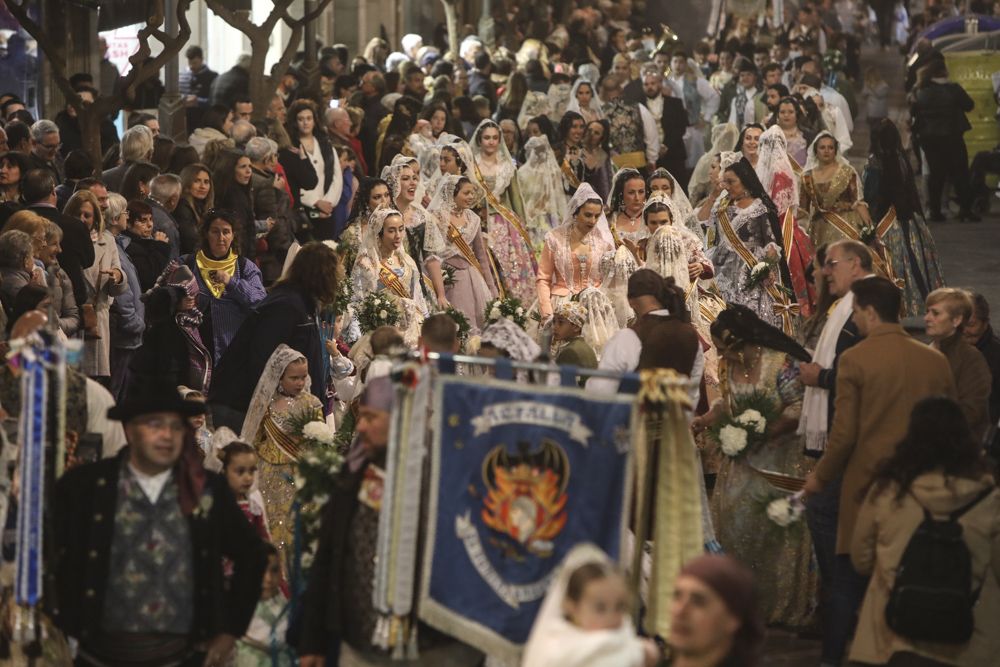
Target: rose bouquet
pixel 377 310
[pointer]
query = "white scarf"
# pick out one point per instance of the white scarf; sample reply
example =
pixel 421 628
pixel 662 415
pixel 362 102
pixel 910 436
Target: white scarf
pixel 815 407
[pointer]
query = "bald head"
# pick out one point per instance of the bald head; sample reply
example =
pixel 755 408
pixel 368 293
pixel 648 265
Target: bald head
pixel 339 121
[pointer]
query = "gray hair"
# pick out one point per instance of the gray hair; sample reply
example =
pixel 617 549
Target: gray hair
pixel 330 115
pixel 165 186
pixel 260 148
pixel 242 132
pixel 41 128
pixel 53 231
pixel 116 206
pixel 15 249
pixel 137 144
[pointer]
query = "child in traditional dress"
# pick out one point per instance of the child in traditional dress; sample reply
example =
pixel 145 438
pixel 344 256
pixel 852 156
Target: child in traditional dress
pixel 584 619
pixel 202 434
pixel 264 645
pixel 571 349
pixel 280 406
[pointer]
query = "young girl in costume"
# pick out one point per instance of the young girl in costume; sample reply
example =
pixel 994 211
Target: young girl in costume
pixel 584 619
pixel 280 405
pixel 264 645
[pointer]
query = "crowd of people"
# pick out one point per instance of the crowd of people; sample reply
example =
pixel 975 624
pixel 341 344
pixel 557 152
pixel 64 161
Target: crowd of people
pixel 583 193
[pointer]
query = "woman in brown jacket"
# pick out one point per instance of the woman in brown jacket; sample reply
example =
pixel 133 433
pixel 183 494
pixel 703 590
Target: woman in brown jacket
pixel 948 309
pixel 938 466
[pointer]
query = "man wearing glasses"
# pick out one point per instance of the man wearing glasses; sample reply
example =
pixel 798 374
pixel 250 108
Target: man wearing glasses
pixel 846 262
pixel 45 145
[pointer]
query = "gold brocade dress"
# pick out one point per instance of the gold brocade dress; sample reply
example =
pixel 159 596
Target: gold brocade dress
pixel 839 195
pixel 781 558
pixel 277 450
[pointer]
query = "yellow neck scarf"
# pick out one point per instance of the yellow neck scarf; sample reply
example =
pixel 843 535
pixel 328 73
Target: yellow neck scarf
pixel 207 265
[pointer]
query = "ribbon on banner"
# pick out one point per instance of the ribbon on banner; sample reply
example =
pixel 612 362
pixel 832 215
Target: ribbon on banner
pixel 33 429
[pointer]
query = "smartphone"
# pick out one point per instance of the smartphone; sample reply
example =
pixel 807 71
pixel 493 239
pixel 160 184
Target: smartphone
pixel 334 104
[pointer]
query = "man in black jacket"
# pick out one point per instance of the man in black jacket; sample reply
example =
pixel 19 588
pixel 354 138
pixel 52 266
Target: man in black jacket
pixel 939 121
pixel 139 541
pixel 39 191
pixel 979 332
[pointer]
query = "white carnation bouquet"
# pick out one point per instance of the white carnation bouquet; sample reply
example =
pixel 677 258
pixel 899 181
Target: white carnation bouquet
pixel 510 308
pixel 786 510
pixel 745 426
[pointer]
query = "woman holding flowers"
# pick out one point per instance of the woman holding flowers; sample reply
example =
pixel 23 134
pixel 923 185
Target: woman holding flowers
pixel 755 422
pixel 383 267
pixel 750 267
pixel 280 411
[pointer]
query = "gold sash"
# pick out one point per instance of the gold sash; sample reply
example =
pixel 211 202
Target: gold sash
pixel 796 167
pixel 568 173
pixel 781 305
pixel 288 445
pixel 455 236
pixel 392 281
pixel 505 212
pixel 880 258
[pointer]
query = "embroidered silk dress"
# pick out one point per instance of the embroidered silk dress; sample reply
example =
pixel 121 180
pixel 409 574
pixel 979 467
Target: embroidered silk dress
pixel 781 558
pixel 276 468
pixel 750 225
pixel 839 195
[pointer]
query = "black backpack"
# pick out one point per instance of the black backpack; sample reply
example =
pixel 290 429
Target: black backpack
pixel 932 598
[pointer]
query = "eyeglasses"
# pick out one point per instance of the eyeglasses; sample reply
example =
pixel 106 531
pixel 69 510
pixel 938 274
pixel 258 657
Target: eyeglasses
pixel 830 263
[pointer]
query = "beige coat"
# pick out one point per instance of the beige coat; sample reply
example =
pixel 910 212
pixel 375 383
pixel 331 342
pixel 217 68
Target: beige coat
pixel 973 381
pixel 879 380
pixel 882 532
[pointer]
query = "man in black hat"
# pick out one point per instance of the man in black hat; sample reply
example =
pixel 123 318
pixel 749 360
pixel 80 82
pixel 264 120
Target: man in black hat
pixel 139 541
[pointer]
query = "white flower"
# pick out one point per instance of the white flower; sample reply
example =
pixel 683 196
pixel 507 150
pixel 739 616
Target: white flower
pixel 519 312
pixel 733 440
pixel 754 419
pixel 495 313
pixel 784 512
pixel 382 315
pixel 759 268
pixel 319 432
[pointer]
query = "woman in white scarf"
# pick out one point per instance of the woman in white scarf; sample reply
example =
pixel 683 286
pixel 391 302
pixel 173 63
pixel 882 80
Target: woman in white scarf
pixel 542 190
pixel 662 181
pixel 535 104
pixel 571 263
pixel 583 100
pixel 724 138
pixel 384 266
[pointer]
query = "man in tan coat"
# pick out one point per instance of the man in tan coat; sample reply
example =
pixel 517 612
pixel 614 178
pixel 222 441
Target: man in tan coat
pixel 879 380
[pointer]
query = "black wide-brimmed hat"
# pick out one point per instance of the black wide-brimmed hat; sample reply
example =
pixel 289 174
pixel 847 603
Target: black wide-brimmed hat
pixel 156 398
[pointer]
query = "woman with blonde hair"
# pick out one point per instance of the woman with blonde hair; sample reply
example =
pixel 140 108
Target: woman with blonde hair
pixel 105 280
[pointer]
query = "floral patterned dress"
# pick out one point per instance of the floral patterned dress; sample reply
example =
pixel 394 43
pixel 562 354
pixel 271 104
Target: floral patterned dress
pixel 514 255
pixel 909 245
pixel 276 469
pixel 752 227
pixel 781 558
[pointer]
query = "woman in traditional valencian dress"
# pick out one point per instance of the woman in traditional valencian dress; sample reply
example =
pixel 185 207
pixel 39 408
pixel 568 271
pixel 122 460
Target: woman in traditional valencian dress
pixel 383 266
pixel 464 249
pixel 424 241
pixel 494 169
pixel 777 175
pixel 662 181
pixel 748 232
pixel 542 190
pixel 281 400
pixel 890 185
pixel 757 359
pixel 831 193
pixel 583 100
pixel 373 193
pixel 628 196
pixel 571 263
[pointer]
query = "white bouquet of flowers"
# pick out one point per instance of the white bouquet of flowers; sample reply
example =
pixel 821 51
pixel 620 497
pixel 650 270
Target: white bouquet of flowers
pixel 786 510
pixel 733 440
pixel 753 419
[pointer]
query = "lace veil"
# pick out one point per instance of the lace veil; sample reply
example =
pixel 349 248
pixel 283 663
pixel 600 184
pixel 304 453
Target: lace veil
pixel 506 169
pixel 583 194
pixel 772 159
pixel 507 336
pixel 267 386
pixel 724 136
pixel 535 104
pixel 541 181
pixel 595 102
pixel 812 161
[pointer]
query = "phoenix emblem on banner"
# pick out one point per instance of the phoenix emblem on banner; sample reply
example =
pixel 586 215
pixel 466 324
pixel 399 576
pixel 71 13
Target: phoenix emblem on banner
pixel 526 497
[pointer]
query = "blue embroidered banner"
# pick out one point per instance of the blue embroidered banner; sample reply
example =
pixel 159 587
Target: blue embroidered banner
pixel 520 475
